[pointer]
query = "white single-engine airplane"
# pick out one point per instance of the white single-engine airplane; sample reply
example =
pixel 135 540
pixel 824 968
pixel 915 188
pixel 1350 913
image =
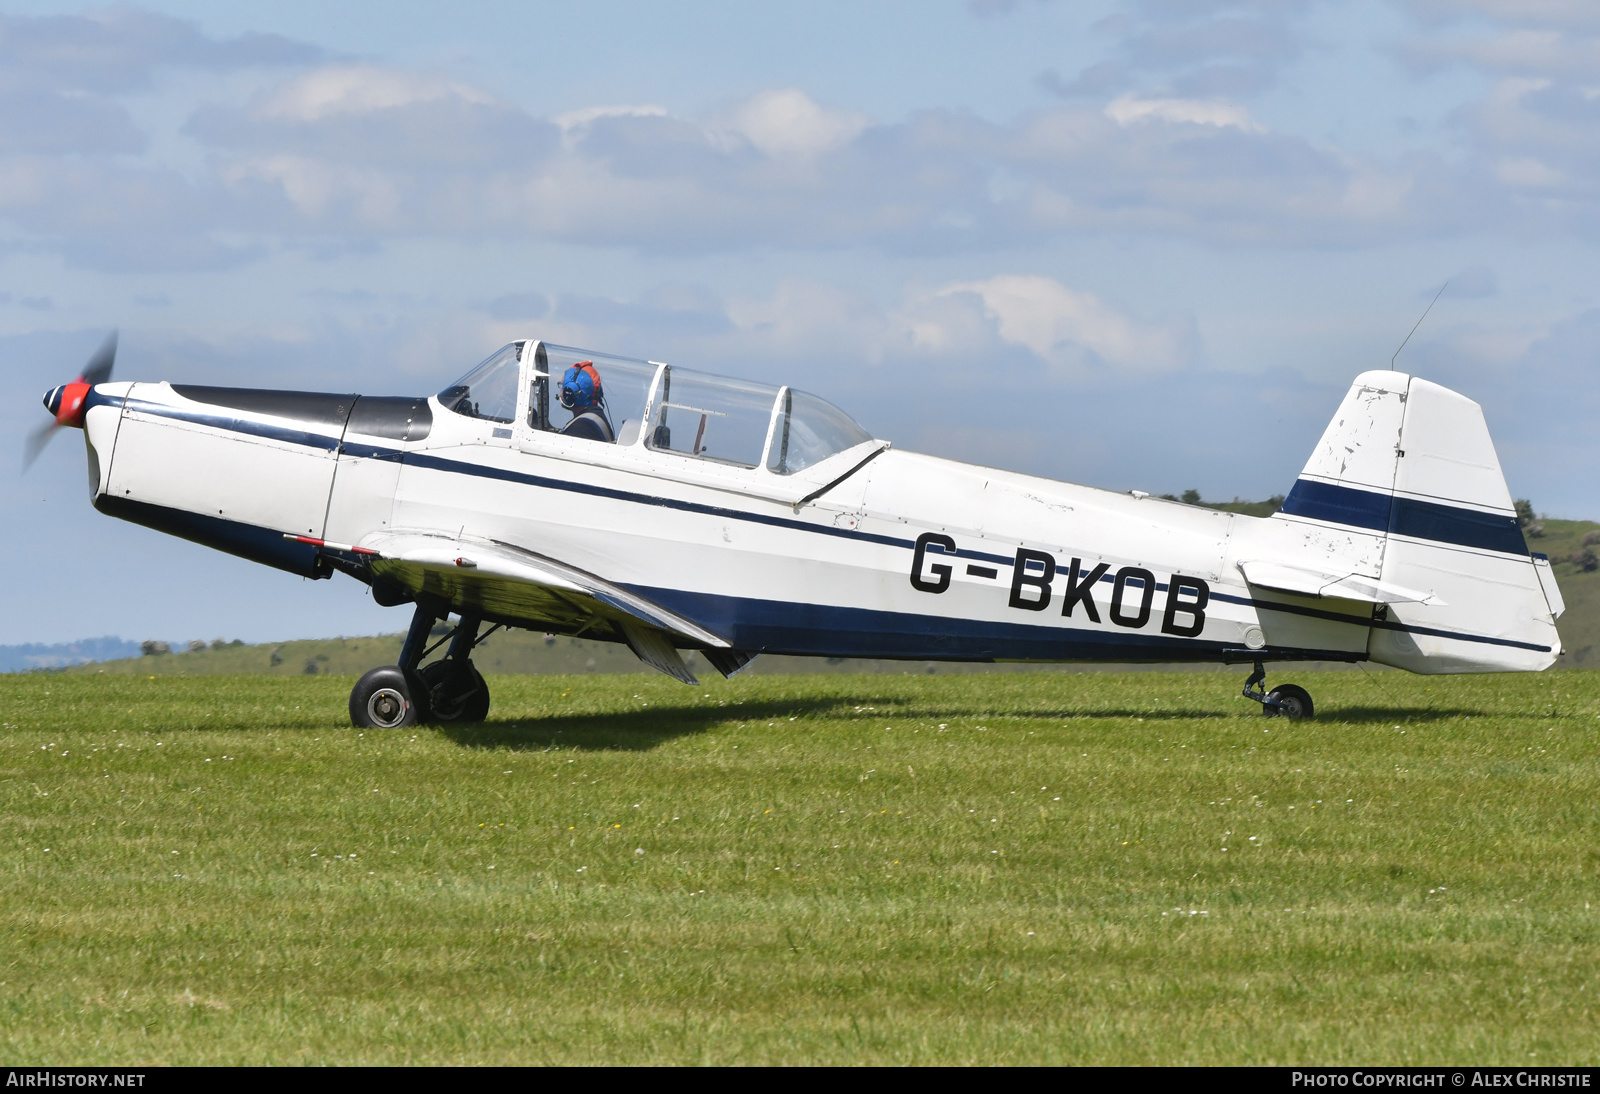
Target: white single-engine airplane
pixel 574 492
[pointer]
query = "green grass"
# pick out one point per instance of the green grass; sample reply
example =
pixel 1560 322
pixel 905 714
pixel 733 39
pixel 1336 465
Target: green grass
pixel 829 869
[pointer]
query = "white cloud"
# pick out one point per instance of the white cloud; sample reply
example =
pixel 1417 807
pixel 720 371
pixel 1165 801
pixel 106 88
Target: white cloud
pixel 360 153
pixel 1561 14
pixel 1539 139
pixel 1526 171
pixel 966 325
pixel 1128 110
pixel 574 123
pixel 787 122
pixel 317 188
pixel 1068 327
pixel 1524 50
pixel 576 119
pixel 360 89
pixel 814 317
pixel 1375 197
pixel 1535 135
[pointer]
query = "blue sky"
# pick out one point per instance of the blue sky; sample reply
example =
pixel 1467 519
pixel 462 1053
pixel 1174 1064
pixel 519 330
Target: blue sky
pixel 1135 245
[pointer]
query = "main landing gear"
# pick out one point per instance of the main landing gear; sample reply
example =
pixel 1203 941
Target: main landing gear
pixel 1283 701
pixel 449 690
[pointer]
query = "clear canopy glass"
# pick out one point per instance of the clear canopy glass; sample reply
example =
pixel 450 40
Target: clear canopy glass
pixel 489 391
pixel 808 431
pixel 625 384
pixel 712 417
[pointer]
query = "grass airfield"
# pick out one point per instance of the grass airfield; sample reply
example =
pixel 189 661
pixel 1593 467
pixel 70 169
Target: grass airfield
pixel 1023 868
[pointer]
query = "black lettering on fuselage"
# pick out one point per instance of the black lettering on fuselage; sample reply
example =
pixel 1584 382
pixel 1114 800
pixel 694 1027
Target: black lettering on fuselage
pixel 1119 589
pixel 1022 578
pixel 1196 608
pixel 1033 575
pixel 1081 589
pixel 940 572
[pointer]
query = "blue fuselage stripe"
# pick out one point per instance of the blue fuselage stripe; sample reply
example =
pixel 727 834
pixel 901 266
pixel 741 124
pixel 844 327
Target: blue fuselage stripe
pixel 1338 505
pixel 783 626
pixel 1411 517
pixel 1453 524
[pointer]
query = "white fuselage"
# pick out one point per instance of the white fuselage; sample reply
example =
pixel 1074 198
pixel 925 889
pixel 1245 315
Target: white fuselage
pixel 897 555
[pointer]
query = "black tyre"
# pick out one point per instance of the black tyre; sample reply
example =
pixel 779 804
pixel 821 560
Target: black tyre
pixel 1293 702
pixel 382 700
pixel 419 697
pixel 456 692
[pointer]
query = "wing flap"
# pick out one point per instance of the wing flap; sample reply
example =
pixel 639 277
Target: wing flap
pixel 513 581
pixel 730 662
pixel 654 649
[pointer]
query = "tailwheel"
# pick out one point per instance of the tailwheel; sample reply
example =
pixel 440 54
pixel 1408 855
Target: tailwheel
pixel 456 691
pixel 382 699
pixel 1288 701
pixel 1283 701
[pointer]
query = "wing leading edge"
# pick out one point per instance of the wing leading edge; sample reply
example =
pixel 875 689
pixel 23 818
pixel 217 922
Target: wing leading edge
pixel 513 584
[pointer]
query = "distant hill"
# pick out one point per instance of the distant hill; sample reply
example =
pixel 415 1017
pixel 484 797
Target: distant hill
pixel 526 652
pixel 1247 508
pixel 36 655
pixel 505 652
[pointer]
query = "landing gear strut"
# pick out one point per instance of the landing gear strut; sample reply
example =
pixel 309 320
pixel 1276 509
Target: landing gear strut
pixel 449 690
pixel 1283 701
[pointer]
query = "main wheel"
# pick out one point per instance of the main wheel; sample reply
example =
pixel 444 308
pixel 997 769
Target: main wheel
pixel 456 692
pixel 382 700
pixel 1294 702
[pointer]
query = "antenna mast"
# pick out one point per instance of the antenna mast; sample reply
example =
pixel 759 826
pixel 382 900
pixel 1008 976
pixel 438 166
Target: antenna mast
pixel 1425 312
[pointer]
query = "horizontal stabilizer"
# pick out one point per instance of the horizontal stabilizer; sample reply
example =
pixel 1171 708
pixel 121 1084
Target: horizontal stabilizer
pixel 1304 582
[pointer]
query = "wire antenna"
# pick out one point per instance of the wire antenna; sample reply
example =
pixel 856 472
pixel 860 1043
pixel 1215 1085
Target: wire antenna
pixel 1425 312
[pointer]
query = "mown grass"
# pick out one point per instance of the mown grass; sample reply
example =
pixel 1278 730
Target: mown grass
pixel 873 869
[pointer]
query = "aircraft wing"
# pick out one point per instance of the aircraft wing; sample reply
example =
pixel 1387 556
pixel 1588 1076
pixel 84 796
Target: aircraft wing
pixel 513 584
pixel 1284 578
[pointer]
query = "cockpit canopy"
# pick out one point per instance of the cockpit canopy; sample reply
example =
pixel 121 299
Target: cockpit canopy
pixel 662 407
pixel 489 391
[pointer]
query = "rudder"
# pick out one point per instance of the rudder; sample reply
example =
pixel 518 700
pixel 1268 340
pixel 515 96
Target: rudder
pixel 1453 530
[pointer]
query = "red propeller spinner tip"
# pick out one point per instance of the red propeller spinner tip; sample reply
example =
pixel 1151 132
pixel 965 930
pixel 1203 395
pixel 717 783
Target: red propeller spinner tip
pixel 65 403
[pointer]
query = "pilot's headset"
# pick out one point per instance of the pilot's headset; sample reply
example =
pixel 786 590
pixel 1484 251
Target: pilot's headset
pixel 580 387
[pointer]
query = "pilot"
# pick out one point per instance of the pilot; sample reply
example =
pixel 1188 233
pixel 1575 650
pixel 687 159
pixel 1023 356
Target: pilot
pixel 582 394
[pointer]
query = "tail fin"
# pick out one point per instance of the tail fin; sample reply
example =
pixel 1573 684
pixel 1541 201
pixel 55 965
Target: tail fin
pixel 1405 489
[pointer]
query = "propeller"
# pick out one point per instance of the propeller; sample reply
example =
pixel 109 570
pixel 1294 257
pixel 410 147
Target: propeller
pixel 65 403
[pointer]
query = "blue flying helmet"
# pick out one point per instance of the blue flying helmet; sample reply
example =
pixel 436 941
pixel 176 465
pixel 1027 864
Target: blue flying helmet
pixel 580 387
